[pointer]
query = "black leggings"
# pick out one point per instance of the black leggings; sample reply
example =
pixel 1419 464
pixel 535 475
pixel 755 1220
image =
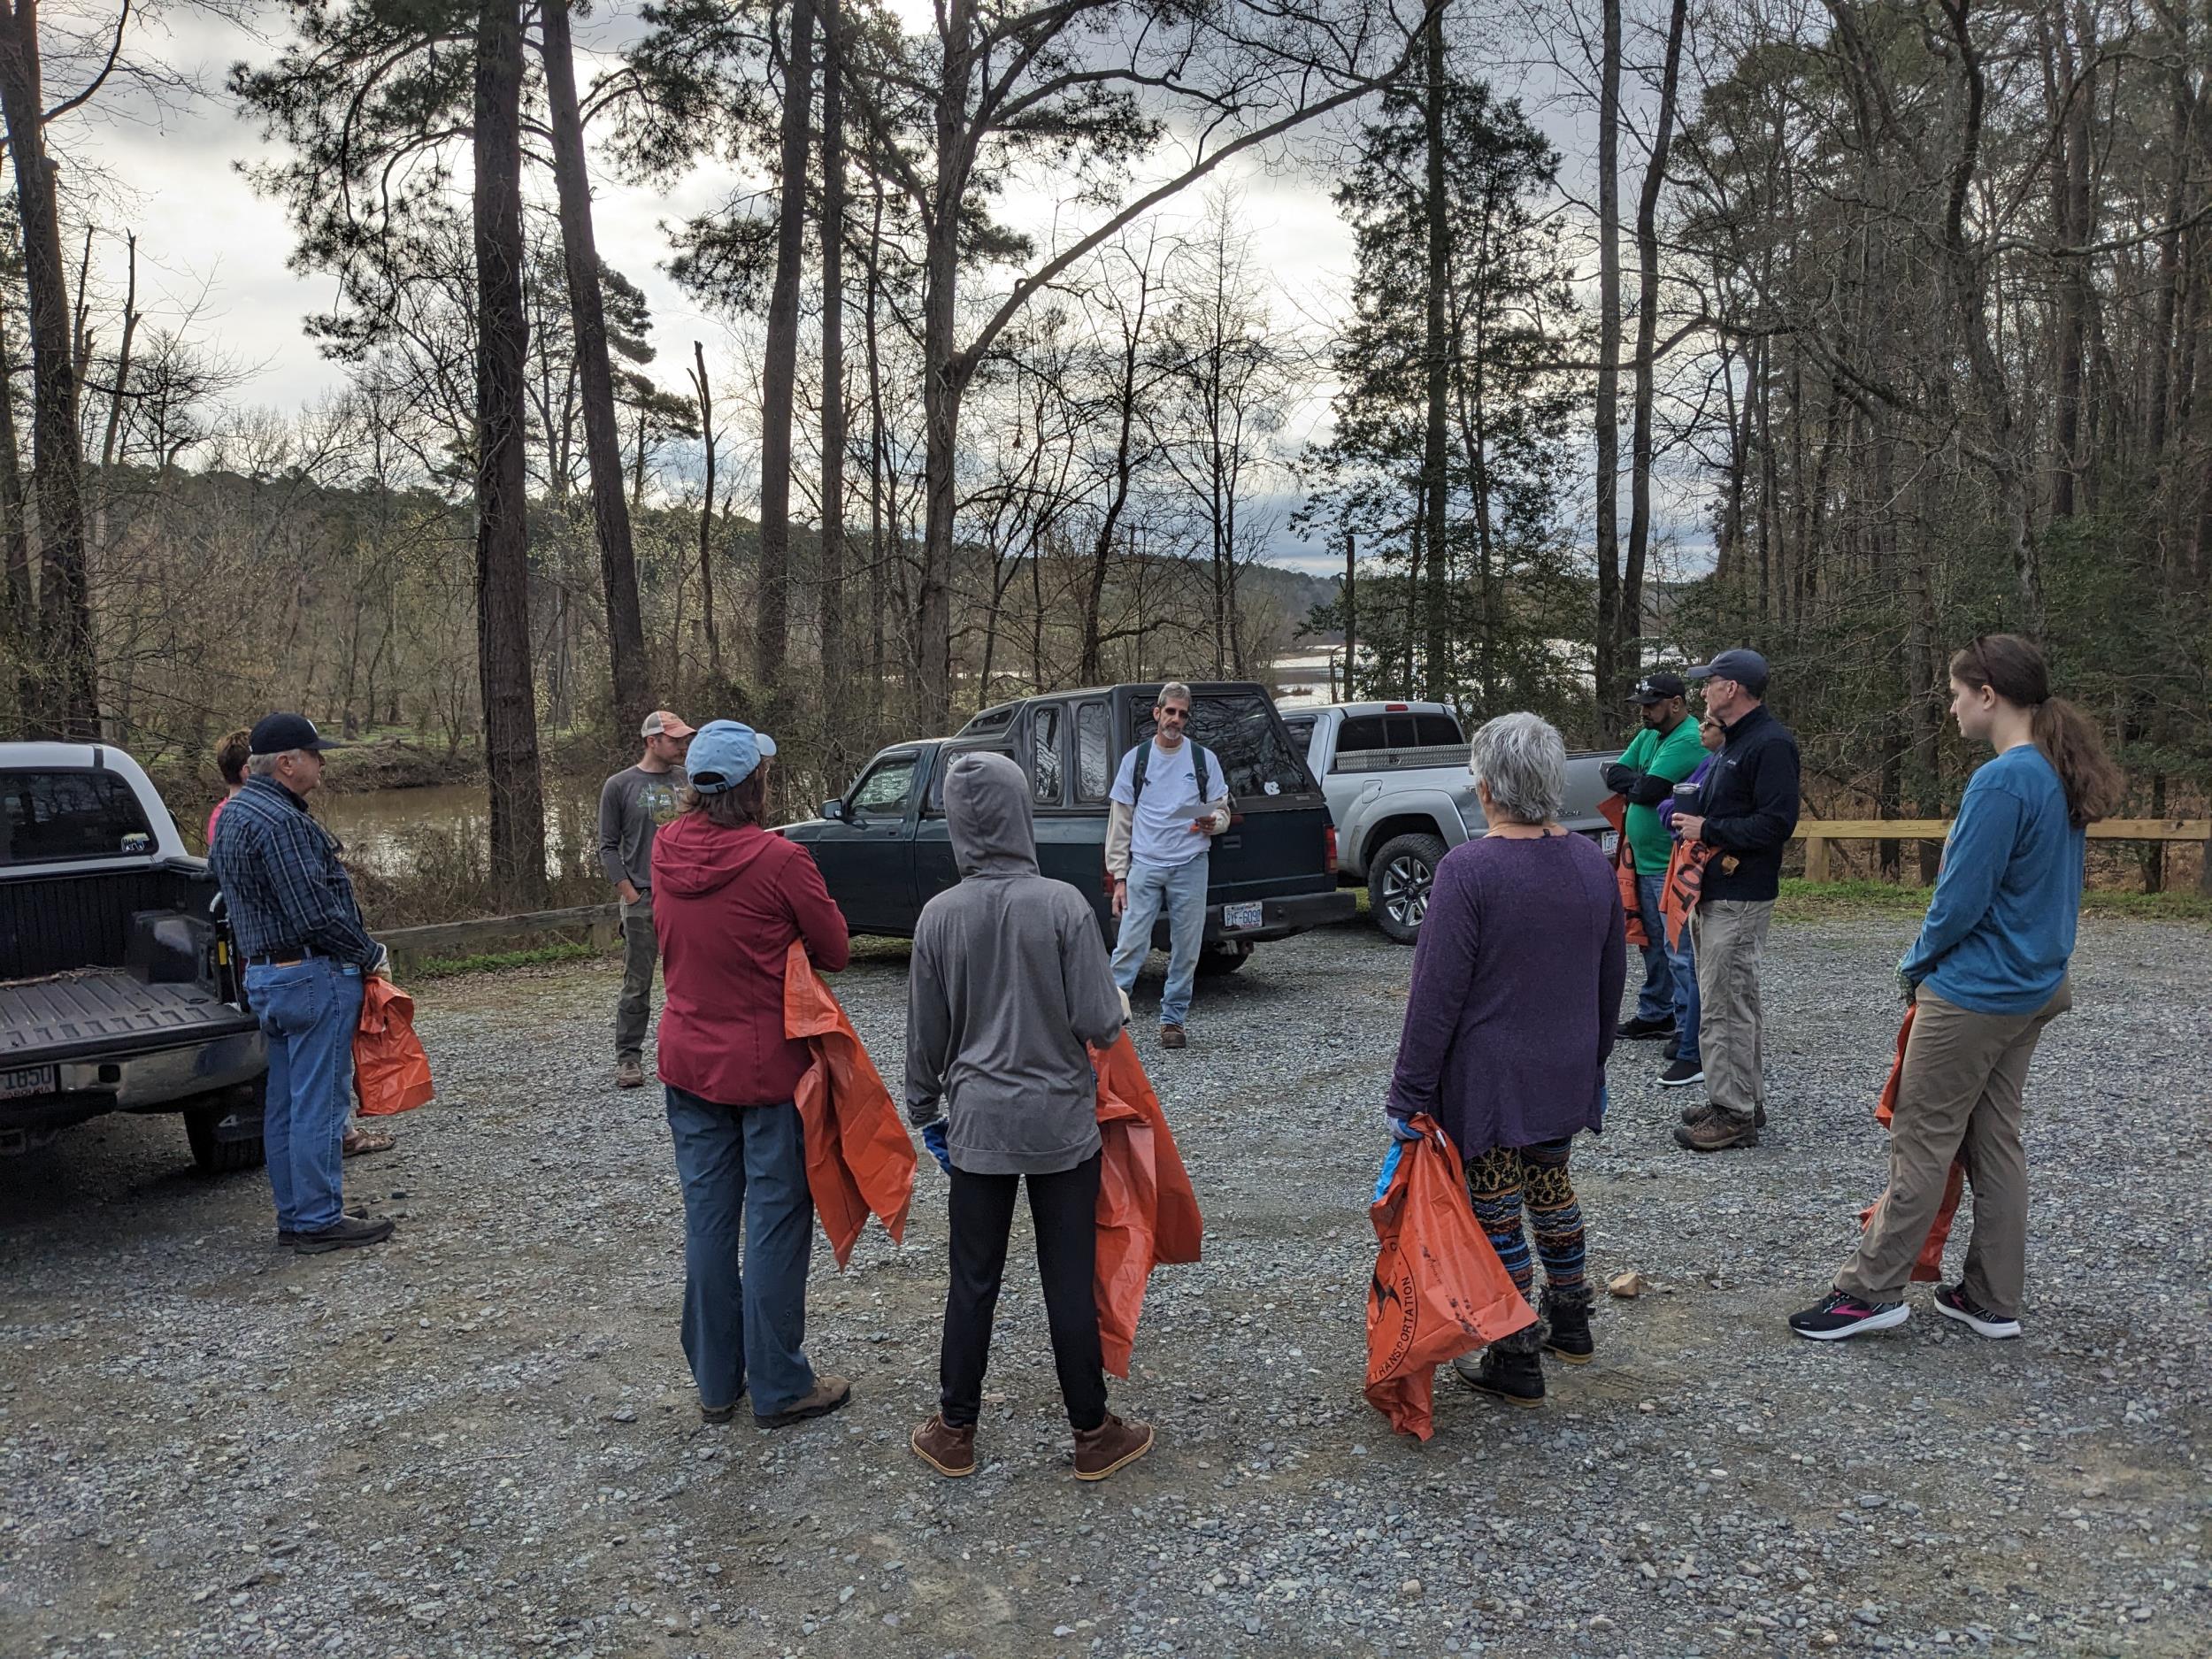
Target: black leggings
pixel 1064 1207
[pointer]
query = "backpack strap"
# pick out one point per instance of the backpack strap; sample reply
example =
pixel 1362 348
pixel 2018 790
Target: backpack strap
pixel 1198 766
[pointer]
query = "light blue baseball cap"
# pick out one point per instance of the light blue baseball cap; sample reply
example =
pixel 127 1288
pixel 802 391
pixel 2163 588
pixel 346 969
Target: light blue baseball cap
pixel 725 754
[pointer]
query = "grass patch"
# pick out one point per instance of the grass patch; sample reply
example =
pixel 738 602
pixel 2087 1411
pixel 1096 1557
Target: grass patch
pixel 1807 899
pixel 492 961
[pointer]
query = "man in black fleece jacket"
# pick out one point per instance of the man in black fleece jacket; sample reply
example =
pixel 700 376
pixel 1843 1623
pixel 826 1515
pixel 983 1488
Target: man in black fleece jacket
pixel 1746 813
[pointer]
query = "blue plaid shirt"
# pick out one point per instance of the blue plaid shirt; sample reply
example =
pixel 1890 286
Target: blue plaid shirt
pixel 281 880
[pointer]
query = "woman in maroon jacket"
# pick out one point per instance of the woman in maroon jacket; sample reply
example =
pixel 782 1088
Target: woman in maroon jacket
pixel 729 897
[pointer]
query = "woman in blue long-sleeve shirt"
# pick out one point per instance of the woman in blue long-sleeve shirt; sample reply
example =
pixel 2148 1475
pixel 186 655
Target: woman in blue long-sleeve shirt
pixel 1986 974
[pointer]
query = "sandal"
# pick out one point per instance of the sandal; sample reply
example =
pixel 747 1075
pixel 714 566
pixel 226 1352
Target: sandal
pixel 360 1141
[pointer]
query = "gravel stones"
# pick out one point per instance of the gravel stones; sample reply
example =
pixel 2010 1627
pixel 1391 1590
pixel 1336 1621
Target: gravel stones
pixel 480 1439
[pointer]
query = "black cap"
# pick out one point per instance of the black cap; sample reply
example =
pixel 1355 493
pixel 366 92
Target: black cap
pixel 1746 668
pixel 1657 688
pixel 281 733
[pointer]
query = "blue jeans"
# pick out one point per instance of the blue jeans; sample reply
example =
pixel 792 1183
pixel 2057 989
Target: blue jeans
pixel 1669 974
pixel 1181 890
pixel 744 1174
pixel 309 1010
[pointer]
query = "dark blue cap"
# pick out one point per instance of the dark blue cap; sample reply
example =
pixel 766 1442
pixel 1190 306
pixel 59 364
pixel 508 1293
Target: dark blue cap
pixel 1657 688
pixel 281 733
pixel 1746 668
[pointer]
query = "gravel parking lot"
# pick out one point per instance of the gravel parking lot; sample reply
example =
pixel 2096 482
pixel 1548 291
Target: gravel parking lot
pixel 480 1439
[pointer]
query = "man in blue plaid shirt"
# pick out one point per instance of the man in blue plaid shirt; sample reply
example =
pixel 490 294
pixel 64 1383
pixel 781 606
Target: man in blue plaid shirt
pixel 300 936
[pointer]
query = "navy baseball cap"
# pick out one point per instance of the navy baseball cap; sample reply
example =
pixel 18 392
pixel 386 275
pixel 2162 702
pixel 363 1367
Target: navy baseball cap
pixel 1746 668
pixel 281 733
pixel 1657 688
pixel 725 754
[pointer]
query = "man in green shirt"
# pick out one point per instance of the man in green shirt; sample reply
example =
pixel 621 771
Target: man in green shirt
pixel 1666 751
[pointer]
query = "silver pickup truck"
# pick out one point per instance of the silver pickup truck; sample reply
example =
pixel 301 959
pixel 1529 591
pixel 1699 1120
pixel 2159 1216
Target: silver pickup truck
pixel 1396 780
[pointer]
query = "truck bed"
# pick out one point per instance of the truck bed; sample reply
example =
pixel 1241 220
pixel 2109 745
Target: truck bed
pixel 106 1011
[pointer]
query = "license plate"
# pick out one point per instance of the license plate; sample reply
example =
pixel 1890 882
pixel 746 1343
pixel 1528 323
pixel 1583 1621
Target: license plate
pixel 1236 916
pixel 1610 842
pixel 30 1080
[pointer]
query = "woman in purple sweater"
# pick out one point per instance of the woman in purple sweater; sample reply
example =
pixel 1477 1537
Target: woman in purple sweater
pixel 1517 989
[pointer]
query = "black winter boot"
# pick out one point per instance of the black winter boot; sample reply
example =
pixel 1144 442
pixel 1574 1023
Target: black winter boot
pixel 1513 1370
pixel 1567 1324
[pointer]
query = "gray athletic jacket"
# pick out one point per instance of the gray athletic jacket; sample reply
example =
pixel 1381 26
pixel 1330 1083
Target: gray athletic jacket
pixel 1010 981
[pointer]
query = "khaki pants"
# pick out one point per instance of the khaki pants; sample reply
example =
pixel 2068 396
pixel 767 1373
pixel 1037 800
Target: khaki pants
pixel 1958 1096
pixel 641 952
pixel 1727 936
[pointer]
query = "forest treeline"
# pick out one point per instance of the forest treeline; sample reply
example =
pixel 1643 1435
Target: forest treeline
pixel 1844 331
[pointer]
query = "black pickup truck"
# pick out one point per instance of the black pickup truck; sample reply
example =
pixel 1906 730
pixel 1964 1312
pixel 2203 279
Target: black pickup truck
pixel 885 851
pixel 118 988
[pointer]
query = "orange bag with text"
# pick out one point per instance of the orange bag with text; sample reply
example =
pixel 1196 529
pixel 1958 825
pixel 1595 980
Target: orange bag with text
pixel 1147 1213
pixel 1928 1269
pixel 391 1073
pixel 1684 886
pixel 1614 810
pixel 858 1159
pixel 1439 1290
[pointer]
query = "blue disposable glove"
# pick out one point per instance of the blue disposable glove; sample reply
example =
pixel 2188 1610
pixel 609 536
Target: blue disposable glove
pixel 1401 1128
pixel 934 1138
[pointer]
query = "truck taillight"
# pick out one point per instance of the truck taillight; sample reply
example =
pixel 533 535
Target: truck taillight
pixel 1328 848
pixel 1395 707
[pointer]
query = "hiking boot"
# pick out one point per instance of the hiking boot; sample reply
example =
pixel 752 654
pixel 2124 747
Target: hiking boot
pixel 1566 1326
pixel 1515 1377
pixel 1113 1444
pixel 1704 1109
pixel 1839 1315
pixel 1171 1037
pixel 714 1417
pixel 831 1394
pixel 1681 1074
pixel 949 1450
pixel 1642 1030
pixel 629 1072
pixel 1951 1301
pixel 348 1232
pixel 1716 1132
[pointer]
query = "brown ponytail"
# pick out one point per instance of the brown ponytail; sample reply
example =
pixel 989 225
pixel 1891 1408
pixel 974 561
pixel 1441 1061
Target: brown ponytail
pixel 2015 670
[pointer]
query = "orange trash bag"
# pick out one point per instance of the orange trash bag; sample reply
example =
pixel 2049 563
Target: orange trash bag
pixel 1147 1213
pixel 391 1073
pixel 858 1159
pixel 1928 1268
pixel 1685 885
pixel 1439 1290
pixel 1614 810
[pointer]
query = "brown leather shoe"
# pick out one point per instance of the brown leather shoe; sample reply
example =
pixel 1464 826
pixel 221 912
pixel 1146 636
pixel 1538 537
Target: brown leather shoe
pixel 629 1072
pixel 949 1450
pixel 1112 1445
pixel 831 1394
pixel 1716 1132
pixel 1704 1109
pixel 1171 1037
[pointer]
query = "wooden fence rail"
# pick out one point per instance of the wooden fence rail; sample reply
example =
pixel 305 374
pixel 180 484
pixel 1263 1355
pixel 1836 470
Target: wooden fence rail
pixel 1817 834
pixel 465 937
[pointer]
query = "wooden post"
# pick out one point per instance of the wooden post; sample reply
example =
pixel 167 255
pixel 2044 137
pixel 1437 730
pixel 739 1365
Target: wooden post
pixel 2204 871
pixel 1815 858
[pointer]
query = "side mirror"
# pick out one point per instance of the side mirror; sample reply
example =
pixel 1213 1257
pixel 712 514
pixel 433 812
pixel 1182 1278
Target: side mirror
pixel 833 810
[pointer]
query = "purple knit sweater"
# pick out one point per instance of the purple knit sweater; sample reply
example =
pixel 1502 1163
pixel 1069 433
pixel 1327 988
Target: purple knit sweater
pixel 1516 985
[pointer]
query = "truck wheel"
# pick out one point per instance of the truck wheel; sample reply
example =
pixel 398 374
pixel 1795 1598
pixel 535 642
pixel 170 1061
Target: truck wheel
pixel 214 1157
pixel 1222 959
pixel 1398 883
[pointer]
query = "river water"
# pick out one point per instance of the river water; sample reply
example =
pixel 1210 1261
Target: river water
pixel 393 832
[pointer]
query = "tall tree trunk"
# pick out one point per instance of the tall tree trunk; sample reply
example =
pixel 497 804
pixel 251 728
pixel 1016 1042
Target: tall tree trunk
pixel 69 689
pixel 879 514
pixel 944 373
pixel 1351 612
pixel 1629 651
pixel 1437 679
pixel 122 364
pixel 1607 420
pixel 780 359
pixel 704 393
pixel 603 440
pixel 836 673
pixel 20 637
pixel 502 565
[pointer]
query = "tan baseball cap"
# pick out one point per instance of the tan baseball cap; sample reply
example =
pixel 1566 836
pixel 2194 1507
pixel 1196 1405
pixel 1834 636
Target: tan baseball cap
pixel 661 723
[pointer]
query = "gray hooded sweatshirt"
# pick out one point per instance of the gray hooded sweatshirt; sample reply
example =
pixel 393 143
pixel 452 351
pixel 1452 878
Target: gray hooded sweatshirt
pixel 1010 979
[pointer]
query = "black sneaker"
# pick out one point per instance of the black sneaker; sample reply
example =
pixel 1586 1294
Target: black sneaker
pixel 1951 1302
pixel 1672 1051
pixel 1641 1030
pixel 1842 1313
pixel 348 1232
pixel 1681 1074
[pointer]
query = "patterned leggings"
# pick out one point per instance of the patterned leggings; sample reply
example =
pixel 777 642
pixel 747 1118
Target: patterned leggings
pixel 1505 1178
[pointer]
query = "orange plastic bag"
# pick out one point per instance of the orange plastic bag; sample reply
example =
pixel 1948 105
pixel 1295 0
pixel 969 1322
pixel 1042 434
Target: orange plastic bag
pixel 391 1073
pixel 1928 1268
pixel 1614 810
pixel 1684 886
pixel 858 1160
pixel 1439 1290
pixel 1147 1213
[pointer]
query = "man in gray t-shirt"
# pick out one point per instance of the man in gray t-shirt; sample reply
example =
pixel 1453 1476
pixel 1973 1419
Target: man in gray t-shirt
pixel 632 804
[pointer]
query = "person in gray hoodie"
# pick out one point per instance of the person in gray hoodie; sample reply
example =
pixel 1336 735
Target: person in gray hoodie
pixel 1009 983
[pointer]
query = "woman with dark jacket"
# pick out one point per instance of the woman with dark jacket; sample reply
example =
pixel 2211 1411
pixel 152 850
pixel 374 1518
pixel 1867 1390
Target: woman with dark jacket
pixel 729 899
pixel 1516 994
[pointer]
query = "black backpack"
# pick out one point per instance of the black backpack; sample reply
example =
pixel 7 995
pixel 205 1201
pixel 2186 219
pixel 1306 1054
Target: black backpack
pixel 1198 761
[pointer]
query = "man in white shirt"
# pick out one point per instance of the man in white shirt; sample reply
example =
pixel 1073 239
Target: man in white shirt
pixel 1170 801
